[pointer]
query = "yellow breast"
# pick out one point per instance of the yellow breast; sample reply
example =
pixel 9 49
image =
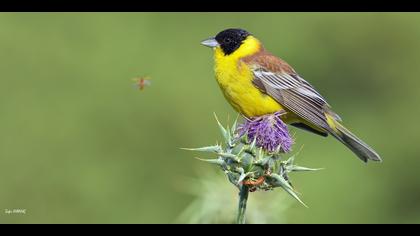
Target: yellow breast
pixel 235 80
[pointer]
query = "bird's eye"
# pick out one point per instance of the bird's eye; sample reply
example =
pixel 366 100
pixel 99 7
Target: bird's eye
pixel 227 40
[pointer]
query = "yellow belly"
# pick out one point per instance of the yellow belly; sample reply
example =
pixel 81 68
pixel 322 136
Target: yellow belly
pixel 235 80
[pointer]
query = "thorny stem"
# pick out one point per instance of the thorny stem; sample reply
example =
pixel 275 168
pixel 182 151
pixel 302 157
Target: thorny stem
pixel 243 198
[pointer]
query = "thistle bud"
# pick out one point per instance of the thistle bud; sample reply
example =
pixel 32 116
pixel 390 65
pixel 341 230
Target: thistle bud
pixel 252 154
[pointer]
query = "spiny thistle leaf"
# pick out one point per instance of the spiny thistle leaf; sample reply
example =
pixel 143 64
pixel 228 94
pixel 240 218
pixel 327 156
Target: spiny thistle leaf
pixel 241 151
pixel 252 145
pixel 260 154
pixel 215 149
pixel 263 162
pixel 291 159
pixel 225 132
pixel 281 182
pixel 247 161
pixel 234 126
pixel 228 155
pixel 231 160
pixel 295 168
pixel 217 161
pixel 241 177
pixel 232 177
pixel 293 194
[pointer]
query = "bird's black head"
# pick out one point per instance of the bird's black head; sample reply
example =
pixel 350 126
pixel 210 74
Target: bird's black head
pixel 231 39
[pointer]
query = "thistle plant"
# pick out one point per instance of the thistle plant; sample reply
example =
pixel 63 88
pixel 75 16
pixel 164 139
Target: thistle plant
pixel 251 157
pixel 215 202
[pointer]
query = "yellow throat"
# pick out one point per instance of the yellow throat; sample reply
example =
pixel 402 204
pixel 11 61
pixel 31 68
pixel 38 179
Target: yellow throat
pixel 235 79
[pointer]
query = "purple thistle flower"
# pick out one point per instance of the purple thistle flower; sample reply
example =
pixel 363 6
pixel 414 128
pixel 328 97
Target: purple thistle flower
pixel 269 131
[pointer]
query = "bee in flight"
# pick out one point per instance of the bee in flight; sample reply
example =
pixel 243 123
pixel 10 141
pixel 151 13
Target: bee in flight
pixel 141 82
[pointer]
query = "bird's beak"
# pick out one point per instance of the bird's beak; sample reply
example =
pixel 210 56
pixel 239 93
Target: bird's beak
pixel 210 42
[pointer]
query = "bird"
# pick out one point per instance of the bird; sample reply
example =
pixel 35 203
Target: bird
pixel 256 83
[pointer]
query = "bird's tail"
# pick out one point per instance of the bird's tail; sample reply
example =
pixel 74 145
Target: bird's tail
pixel 361 149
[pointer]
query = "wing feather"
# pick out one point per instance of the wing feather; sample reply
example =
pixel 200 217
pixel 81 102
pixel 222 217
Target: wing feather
pixel 295 94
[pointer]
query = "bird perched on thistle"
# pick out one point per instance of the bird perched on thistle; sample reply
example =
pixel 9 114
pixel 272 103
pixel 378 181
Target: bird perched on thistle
pixel 257 83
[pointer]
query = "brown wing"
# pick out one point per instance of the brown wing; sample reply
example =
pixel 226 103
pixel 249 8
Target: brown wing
pixel 277 79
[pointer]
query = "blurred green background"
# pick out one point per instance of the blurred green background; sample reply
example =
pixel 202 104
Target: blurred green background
pixel 79 145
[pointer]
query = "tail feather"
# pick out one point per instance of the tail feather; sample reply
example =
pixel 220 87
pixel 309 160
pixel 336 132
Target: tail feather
pixel 361 149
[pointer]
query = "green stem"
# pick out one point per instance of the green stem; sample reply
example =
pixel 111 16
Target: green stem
pixel 243 198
